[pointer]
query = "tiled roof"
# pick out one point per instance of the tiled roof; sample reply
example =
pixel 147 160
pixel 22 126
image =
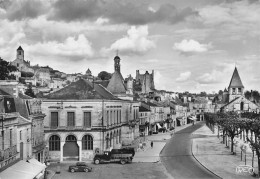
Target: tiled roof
pixel 143 109
pixel 22 121
pixel 235 80
pixel 103 83
pixel 81 89
pixel 149 103
pixel 116 84
pixel 2 92
pixel 24 96
pixel 230 102
pixel 21 107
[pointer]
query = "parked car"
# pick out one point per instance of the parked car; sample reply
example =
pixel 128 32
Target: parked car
pixel 80 167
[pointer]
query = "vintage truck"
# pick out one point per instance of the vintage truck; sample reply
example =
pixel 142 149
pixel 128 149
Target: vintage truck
pixel 115 155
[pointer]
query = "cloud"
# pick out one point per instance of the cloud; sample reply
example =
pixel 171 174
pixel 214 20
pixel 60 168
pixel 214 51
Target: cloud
pixel 101 21
pixel 118 12
pixel 27 9
pixel 76 48
pixel 188 46
pixel 217 75
pixel 184 76
pixel 136 42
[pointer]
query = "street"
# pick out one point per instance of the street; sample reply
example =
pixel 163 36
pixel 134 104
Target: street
pixel 114 171
pixel 177 157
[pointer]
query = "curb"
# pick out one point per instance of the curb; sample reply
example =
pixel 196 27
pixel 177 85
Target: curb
pixel 201 163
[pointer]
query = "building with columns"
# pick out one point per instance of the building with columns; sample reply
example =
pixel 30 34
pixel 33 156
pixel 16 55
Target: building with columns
pixel 85 118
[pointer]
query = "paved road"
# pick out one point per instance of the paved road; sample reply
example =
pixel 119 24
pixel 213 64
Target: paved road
pixel 177 157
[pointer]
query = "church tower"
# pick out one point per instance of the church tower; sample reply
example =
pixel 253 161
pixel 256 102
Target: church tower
pixel 235 88
pixel 117 64
pixel 20 53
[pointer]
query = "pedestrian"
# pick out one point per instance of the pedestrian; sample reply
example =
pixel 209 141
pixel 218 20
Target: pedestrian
pixel 151 144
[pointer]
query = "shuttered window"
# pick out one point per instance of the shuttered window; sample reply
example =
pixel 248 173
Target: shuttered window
pixel 71 119
pixel 87 119
pixel 54 119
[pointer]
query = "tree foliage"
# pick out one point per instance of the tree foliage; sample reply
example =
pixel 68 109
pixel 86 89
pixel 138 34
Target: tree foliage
pixel 6 69
pixel 253 94
pixel 234 123
pixel 30 92
pixel 104 75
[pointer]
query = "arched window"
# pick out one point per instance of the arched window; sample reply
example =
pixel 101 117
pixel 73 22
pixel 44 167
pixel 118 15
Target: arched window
pixel 71 138
pixel 87 142
pixel 54 143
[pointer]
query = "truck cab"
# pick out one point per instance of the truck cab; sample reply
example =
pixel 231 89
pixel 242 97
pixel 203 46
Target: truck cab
pixel 116 155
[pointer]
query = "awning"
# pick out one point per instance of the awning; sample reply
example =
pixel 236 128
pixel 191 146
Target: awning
pixel 193 118
pixel 159 126
pixel 179 118
pixel 22 170
pixel 36 162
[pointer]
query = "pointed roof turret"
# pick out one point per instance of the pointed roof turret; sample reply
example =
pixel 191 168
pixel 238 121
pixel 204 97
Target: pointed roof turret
pixel 225 90
pixel 116 84
pixel 20 48
pixel 235 81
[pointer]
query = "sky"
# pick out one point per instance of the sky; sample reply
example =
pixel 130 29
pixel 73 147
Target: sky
pixel 191 45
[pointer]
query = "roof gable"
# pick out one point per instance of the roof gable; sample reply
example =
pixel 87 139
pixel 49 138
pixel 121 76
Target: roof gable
pixel 81 89
pixel 235 80
pixel 116 84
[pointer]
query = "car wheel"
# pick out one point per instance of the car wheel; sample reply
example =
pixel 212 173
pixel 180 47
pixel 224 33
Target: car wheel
pixel 122 162
pixel 86 170
pixel 130 160
pixel 72 170
pixel 97 161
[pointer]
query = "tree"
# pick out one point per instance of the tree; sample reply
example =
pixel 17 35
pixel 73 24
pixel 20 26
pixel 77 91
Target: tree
pixel 6 69
pixel 104 75
pixel 29 91
pixel 255 143
pixel 220 92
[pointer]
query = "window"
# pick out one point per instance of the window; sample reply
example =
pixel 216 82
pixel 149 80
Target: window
pixel 117 117
pixel 111 119
pixel 239 90
pixel 11 137
pixel 54 143
pixel 87 119
pixel 233 90
pixel 107 118
pixel 87 142
pixel 71 119
pixel 120 116
pixel 54 119
pixel 20 135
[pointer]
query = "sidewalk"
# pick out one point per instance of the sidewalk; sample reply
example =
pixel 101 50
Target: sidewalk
pixel 216 157
pixel 159 140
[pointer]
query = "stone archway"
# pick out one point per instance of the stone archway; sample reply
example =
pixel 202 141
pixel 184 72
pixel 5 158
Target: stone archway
pixel 71 149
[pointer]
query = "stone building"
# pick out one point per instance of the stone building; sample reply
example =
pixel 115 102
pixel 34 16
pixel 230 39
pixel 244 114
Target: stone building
pixel 84 118
pixel 234 100
pixel 117 85
pixel 30 123
pixel 20 63
pixel 146 80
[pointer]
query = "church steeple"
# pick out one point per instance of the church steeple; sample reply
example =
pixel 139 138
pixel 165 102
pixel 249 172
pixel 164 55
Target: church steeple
pixel 20 53
pixel 117 63
pixel 235 88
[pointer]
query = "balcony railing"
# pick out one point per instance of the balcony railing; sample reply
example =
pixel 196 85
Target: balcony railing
pixel 8 153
